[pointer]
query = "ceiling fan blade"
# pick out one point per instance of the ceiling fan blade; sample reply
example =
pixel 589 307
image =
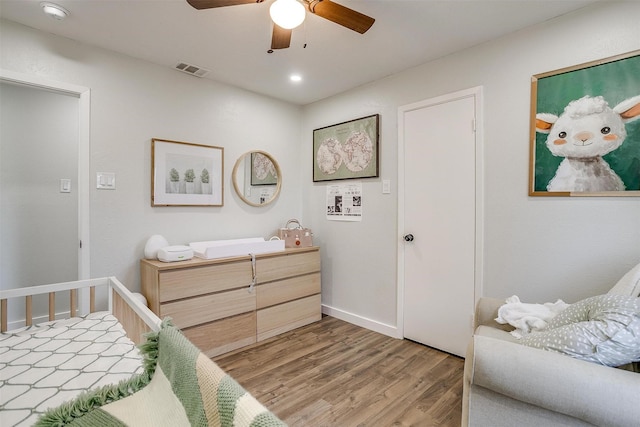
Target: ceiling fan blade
pixel 341 15
pixel 208 4
pixel 281 38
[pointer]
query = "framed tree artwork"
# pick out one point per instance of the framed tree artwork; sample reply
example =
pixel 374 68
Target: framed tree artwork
pixel 186 174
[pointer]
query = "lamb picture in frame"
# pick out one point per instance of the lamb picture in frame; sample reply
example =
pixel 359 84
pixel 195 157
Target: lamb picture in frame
pixel 585 132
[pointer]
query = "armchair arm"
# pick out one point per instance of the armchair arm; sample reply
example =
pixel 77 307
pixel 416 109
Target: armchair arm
pixel 596 394
pixel 486 313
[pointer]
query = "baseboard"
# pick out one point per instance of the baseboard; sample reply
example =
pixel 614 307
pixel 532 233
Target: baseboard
pixel 373 325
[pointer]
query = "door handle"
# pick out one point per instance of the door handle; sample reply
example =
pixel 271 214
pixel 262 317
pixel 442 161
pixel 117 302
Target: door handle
pixel 408 237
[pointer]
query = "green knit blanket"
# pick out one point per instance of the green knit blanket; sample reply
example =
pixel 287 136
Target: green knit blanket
pixel 180 386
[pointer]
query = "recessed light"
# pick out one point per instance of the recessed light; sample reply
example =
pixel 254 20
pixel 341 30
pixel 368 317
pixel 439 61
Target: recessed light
pixel 295 78
pixel 55 11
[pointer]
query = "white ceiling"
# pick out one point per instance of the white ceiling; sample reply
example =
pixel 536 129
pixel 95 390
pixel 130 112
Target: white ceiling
pixel 232 42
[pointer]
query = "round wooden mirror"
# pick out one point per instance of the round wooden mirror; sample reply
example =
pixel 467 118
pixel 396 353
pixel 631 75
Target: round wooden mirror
pixel 257 178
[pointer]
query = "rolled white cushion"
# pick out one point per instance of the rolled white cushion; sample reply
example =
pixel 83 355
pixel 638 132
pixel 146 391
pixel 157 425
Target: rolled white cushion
pixel 629 284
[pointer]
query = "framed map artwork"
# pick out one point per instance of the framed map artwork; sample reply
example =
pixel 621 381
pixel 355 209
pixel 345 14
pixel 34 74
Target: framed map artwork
pixel 347 150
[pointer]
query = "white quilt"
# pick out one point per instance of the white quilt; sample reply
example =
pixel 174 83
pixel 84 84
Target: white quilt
pixel 43 366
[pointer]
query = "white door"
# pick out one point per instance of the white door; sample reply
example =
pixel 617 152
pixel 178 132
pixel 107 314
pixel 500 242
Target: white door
pixel 439 213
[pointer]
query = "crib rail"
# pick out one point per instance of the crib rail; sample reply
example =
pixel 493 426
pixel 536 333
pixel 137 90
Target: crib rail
pixel 133 315
pixel 28 321
pixel 28 293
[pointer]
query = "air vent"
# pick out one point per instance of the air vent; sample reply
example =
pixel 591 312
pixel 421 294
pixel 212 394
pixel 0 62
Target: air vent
pixel 191 69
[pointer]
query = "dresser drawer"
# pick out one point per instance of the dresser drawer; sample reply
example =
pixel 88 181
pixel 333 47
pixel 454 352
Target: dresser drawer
pixel 290 315
pixel 293 264
pixel 207 308
pixel 224 335
pixel 188 282
pixel 285 290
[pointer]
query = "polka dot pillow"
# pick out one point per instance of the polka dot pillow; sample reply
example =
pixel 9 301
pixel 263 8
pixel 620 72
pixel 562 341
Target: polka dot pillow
pixel 603 329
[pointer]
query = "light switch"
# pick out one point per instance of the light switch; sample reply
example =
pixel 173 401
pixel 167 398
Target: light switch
pixel 65 185
pixel 106 181
pixel 386 186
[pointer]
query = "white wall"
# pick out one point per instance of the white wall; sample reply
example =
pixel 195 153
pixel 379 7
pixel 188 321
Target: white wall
pixel 538 248
pixel 133 101
pixel 39 146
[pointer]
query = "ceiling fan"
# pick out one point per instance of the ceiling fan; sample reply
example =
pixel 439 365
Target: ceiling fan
pixel 281 36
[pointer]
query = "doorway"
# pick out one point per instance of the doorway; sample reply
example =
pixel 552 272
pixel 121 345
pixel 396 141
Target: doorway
pixel 440 222
pixel 44 182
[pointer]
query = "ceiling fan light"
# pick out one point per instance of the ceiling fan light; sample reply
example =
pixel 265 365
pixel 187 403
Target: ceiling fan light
pixel 287 14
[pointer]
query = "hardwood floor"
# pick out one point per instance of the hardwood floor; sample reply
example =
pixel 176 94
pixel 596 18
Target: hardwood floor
pixel 333 373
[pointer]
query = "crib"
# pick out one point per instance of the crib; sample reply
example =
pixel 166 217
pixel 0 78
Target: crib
pixel 39 370
pixel 54 364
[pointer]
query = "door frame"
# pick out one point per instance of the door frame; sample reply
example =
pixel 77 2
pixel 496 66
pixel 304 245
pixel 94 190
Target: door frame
pixel 477 94
pixel 84 103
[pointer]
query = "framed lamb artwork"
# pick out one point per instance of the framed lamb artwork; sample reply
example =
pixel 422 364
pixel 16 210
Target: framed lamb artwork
pixel 585 129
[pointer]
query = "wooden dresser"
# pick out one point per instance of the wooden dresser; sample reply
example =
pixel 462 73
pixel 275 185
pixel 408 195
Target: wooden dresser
pixel 212 302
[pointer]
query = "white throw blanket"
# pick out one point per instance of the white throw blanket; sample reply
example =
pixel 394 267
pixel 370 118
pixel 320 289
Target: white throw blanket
pixel 527 317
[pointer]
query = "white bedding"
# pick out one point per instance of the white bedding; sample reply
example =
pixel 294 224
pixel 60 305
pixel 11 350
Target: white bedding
pixel 43 366
pixel 527 317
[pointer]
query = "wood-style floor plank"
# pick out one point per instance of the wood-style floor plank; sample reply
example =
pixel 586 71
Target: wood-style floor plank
pixel 332 373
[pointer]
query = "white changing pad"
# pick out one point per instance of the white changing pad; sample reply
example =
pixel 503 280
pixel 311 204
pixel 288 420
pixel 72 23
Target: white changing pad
pixel 43 366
